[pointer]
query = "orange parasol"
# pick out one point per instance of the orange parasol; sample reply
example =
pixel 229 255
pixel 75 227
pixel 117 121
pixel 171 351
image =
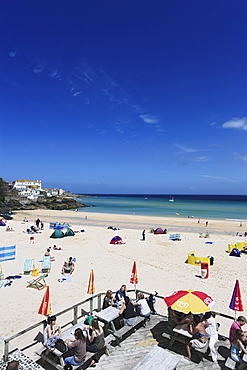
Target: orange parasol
pixel 45 307
pixel 91 286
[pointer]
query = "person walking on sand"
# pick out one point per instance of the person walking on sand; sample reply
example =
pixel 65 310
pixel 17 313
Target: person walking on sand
pixel 206 223
pixel 143 235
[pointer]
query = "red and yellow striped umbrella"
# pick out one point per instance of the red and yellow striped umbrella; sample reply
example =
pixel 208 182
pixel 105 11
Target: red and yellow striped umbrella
pixel 91 286
pixel 45 307
pixel 190 301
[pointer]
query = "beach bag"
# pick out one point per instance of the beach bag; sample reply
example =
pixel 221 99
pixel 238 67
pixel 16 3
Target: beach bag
pixel 60 345
pixel 88 320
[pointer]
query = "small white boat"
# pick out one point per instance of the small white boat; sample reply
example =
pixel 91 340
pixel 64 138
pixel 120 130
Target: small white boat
pixel 171 199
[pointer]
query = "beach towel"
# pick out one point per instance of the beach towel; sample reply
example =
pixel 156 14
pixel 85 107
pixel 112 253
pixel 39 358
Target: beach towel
pixel 65 278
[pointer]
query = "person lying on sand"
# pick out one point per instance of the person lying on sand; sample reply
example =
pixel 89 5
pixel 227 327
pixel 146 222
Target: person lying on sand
pixel 9 229
pixel 57 248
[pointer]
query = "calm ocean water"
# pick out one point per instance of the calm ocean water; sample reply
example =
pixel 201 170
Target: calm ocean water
pixel 198 206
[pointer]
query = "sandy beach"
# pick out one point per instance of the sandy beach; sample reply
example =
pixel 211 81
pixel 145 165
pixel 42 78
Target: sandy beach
pixel 160 262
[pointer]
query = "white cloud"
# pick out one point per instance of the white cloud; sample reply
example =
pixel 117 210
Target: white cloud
pixel 242 157
pixel 185 149
pixel 148 119
pixel 238 123
pixel 214 177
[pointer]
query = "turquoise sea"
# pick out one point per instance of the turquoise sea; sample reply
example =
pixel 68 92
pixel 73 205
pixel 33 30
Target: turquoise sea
pixel 197 206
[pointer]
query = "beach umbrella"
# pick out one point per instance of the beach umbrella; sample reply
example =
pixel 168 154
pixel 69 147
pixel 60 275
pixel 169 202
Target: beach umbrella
pixel 186 301
pixel 236 303
pixel 134 276
pixel 91 289
pixel 45 307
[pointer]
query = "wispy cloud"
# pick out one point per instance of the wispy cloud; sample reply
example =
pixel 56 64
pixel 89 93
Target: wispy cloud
pixel 201 159
pixel 185 149
pixel 148 119
pixel 237 123
pixel 39 68
pixel 242 157
pixel 12 54
pixel 214 177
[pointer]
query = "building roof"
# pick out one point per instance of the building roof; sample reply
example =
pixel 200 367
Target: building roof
pixel 27 180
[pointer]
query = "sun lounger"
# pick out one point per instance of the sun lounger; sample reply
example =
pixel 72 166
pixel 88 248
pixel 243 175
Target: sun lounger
pixel 28 266
pixel 38 283
pixel 46 264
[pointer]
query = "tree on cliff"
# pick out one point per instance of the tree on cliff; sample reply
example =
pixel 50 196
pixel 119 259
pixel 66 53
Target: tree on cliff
pixel 3 189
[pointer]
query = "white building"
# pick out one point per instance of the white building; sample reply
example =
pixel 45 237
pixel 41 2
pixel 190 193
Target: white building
pixel 28 188
pixel 53 192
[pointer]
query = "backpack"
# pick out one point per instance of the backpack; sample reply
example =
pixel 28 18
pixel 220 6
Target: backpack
pixel 60 345
pixel 88 320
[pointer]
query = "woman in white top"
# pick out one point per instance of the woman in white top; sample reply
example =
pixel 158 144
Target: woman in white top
pixel 143 305
pixel 52 332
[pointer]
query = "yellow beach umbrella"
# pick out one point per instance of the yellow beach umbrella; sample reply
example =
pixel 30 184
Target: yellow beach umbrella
pixel 189 301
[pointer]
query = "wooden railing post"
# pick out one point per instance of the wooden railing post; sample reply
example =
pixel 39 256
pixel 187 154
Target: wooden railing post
pixel 91 305
pixel 99 302
pixel 75 315
pixel 6 351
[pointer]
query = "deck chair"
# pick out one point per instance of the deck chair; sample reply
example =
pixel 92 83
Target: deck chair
pixel 28 266
pixel 46 264
pixel 38 283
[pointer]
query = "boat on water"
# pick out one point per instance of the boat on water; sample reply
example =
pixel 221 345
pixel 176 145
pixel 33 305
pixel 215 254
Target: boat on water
pixel 171 199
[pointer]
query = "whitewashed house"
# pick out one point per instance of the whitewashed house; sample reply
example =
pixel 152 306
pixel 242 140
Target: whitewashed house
pixel 53 192
pixel 28 188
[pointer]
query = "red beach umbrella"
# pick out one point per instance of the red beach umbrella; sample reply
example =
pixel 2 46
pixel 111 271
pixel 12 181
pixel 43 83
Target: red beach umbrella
pixel 236 303
pixel 189 301
pixel 134 276
pixel 45 307
pixel 91 286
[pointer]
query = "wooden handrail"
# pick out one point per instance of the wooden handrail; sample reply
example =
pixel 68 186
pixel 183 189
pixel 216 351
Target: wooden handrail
pixel 74 309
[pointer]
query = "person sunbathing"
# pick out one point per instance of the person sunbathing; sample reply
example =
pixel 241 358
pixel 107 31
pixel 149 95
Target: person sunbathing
pixel 57 248
pixel 48 253
pixel 68 267
pixel 9 229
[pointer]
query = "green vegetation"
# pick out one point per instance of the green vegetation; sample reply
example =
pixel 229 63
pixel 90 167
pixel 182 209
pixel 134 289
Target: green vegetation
pixel 3 189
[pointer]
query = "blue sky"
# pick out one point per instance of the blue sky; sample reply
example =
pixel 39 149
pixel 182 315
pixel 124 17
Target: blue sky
pixel 126 96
